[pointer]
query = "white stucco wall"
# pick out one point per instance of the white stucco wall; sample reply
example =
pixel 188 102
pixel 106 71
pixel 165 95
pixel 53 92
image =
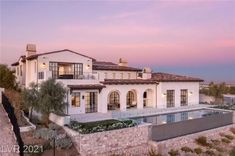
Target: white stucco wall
pixel 123 90
pixel 101 74
pixel 65 56
pixel 192 87
pixel 82 108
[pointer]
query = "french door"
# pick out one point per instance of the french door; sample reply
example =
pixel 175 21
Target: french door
pixel 91 102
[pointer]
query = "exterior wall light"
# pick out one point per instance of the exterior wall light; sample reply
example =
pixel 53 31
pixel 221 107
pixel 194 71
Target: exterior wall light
pixel 88 66
pixel 43 64
pixel 163 94
pixel 190 93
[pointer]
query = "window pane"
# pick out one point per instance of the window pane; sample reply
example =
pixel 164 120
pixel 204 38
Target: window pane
pixel 184 97
pixel 170 98
pixel 76 99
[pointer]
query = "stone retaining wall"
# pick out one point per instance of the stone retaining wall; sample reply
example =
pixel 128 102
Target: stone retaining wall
pixel 121 141
pixel 176 143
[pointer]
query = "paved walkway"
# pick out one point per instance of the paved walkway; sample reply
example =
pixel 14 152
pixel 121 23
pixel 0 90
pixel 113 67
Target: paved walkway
pixel 133 113
pixel 7 139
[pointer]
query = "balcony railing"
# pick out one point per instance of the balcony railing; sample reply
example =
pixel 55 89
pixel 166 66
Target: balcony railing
pixel 70 76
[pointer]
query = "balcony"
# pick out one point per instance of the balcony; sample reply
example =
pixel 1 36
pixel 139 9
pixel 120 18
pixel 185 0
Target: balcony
pixel 69 79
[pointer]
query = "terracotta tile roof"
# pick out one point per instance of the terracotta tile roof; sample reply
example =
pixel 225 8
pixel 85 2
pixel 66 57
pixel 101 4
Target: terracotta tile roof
pixel 128 81
pixel 17 63
pixel 86 86
pixel 98 65
pixel 52 52
pixel 165 77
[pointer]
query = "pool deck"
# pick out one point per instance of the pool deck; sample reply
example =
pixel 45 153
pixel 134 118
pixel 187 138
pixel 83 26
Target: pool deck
pixel 134 112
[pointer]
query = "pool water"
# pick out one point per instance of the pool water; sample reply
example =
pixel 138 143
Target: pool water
pixel 177 117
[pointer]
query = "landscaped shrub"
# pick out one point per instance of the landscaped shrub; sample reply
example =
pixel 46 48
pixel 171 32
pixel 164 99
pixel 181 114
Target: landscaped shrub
pixel 232 130
pixel 219 149
pixel 232 152
pixel 227 141
pixel 198 150
pixel 53 126
pixel 62 143
pixel 100 126
pixel 173 152
pixel 210 153
pixel 44 133
pixel 152 152
pixel 215 141
pixel 202 140
pixel 186 149
pixel 230 137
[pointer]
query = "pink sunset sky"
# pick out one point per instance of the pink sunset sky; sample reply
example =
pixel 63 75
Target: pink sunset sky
pixel 193 37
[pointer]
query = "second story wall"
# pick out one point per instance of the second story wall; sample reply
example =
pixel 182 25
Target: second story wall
pixel 108 74
pixel 40 68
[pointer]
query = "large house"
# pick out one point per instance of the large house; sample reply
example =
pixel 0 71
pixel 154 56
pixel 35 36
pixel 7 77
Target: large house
pixel 97 86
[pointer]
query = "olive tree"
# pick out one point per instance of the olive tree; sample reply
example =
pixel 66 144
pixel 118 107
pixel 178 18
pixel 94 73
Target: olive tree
pixel 30 97
pixel 51 97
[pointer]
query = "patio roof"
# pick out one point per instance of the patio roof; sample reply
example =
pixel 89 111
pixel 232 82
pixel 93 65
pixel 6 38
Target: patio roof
pixel 86 87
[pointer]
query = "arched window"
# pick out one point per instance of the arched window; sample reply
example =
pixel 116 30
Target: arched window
pixel 114 101
pixel 114 98
pixel 131 99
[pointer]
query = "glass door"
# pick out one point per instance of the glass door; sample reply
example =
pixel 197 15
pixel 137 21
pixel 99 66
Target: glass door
pixel 91 102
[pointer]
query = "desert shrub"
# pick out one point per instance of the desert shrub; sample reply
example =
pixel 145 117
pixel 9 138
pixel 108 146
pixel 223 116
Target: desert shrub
pixel 210 153
pixel 152 152
pixel 232 152
pixel 232 130
pixel 230 137
pixel 173 152
pixel 62 143
pixel 47 146
pixel 198 150
pixel 44 133
pixel 227 141
pixel 202 140
pixel 53 126
pixel 215 141
pixel 186 149
pixel 219 149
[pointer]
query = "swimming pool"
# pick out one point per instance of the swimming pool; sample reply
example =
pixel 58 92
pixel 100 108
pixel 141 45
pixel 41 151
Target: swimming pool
pixel 177 117
pixel 173 125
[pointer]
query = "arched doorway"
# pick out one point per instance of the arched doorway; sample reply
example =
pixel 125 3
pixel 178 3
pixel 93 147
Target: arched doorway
pixel 148 98
pixel 131 99
pixel 114 100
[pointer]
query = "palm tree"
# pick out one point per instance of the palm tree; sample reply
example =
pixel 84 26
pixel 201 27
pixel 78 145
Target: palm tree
pixel 30 98
pixel 51 98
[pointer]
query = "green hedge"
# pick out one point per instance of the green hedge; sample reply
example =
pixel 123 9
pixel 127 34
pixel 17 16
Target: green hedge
pixel 100 126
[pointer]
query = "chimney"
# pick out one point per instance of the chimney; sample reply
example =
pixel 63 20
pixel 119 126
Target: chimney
pixel 147 73
pixel 30 49
pixel 123 62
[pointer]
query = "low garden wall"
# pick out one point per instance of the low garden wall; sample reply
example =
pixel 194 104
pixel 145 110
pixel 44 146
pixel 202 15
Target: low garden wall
pixel 59 120
pixel 127 140
pixel 27 128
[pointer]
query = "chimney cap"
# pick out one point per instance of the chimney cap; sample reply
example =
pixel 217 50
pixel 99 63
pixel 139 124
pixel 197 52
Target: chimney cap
pixel 31 47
